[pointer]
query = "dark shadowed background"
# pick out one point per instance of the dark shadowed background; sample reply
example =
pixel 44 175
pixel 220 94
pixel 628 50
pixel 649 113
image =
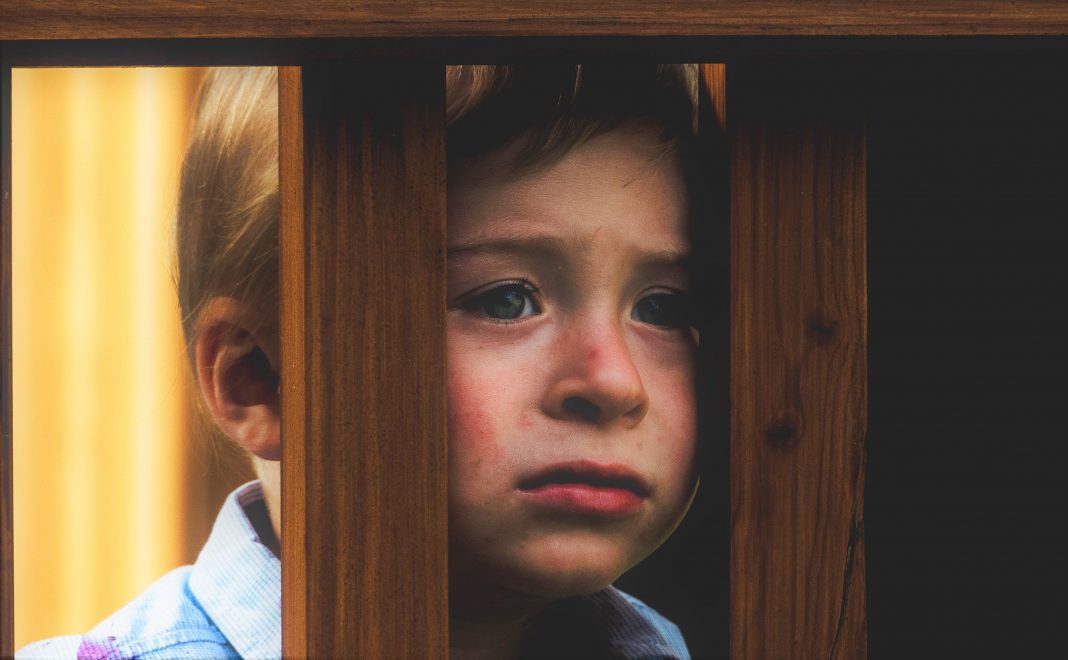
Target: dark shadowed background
pixel 965 500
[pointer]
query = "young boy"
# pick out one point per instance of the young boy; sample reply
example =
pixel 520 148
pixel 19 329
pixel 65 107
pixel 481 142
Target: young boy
pixel 572 418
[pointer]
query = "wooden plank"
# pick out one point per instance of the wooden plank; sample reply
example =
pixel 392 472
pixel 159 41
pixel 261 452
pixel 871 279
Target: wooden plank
pixel 798 360
pixel 473 50
pixel 139 19
pixel 291 328
pixel 7 565
pixel 364 445
pixel 714 77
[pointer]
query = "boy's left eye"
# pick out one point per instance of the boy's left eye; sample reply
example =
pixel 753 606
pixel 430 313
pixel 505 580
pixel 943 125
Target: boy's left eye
pixel 667 310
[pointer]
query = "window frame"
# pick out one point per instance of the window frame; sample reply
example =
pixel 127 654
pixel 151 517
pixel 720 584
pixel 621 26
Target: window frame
pixel 759 37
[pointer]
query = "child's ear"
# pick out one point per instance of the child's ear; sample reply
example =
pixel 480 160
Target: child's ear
pixel 237 370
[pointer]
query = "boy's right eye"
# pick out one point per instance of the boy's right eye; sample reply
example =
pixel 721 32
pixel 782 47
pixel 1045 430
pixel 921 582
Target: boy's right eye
pixel 504 302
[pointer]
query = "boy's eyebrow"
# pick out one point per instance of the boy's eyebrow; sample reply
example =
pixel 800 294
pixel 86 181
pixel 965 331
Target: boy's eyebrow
pixel 545 245
pixel 667 257
pixel 551 245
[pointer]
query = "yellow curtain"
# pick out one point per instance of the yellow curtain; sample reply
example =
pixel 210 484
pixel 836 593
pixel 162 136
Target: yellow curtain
pixel 105 473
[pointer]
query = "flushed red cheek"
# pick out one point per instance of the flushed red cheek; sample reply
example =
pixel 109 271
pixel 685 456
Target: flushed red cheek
pixel 473 432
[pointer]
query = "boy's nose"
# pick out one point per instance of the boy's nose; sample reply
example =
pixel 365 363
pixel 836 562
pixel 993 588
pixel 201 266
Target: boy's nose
pixel 597 380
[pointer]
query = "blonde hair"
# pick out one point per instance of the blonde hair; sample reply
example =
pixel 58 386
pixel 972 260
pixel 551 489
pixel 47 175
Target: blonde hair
pixel 227 230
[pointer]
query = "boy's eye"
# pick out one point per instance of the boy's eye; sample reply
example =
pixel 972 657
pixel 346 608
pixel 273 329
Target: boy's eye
pixel 506 302
pixel 668 310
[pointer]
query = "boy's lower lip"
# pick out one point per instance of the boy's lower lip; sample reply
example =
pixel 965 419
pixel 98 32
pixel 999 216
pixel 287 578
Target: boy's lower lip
pixel 584 498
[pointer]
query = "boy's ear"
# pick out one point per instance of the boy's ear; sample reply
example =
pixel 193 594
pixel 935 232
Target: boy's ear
pixel 237 369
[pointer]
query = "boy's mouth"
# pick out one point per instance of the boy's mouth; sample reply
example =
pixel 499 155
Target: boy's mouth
pixel 586 487
pixel 589 473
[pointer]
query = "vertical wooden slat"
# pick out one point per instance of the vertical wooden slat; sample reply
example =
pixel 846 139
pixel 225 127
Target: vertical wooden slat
pixel 798 360
pixel 294 389
pixel 363 355
pixel 714 77
pixel 7 602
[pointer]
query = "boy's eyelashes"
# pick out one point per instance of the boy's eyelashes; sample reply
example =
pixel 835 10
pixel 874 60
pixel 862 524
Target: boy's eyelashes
pixel 503 301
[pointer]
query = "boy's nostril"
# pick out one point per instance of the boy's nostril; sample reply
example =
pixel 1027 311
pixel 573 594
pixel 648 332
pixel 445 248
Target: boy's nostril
pixel 582 408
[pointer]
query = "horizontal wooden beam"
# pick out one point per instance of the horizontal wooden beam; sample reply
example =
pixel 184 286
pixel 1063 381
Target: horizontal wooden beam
pixel 259 51
pixel 154 19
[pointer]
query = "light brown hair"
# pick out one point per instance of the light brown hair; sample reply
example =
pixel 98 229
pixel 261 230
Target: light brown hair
pixel 548 109
pixel 227 229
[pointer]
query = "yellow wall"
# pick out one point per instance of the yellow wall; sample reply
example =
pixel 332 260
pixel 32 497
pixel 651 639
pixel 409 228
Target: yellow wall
pixel 109 490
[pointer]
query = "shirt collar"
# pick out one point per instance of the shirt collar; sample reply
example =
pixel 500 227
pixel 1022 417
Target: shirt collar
pixel 606 624
pixel 628 633
pixel 238 580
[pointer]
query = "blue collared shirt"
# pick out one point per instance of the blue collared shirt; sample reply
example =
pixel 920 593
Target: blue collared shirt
pixel 226 605
pixel 229 605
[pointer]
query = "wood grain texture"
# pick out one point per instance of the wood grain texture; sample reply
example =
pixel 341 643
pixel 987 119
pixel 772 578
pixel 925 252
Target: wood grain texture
pixel 364 361
pixel 798 361
pixel 714 77
pixel 7 566
pixel 128 19
pixel 292 260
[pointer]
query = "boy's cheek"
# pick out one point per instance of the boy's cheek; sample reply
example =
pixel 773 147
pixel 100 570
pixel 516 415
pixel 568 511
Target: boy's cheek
pixel 674 392
pixel 473 424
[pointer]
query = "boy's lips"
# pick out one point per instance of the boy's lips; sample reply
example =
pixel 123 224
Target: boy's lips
pixel 586 487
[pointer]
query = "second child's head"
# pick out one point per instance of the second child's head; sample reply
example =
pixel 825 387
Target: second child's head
pixel 570 351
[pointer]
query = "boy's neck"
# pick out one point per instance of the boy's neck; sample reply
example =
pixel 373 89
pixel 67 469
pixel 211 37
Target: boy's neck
pixel 260 519
pixel 270 530
pixel 488 624
pixel 499 638
pixel 474 639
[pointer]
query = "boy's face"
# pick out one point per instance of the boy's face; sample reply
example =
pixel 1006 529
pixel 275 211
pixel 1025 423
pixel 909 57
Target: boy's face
pixel 572 421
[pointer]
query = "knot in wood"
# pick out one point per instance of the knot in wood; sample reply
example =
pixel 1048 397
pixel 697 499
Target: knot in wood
pixel 821 327
pixel 783 432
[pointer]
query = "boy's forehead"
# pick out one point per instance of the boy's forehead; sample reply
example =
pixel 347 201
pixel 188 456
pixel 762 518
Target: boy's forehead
pixel 610 184
pixel 633 148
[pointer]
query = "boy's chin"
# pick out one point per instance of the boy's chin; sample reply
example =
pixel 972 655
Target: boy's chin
pixel 539 566
pixel 563 569
pixel 558 585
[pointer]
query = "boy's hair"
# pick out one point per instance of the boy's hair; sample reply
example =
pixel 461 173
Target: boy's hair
pixel 546 110
pixel 227 227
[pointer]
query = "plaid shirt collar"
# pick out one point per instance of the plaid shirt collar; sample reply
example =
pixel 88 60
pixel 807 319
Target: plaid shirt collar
pixel 237 580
